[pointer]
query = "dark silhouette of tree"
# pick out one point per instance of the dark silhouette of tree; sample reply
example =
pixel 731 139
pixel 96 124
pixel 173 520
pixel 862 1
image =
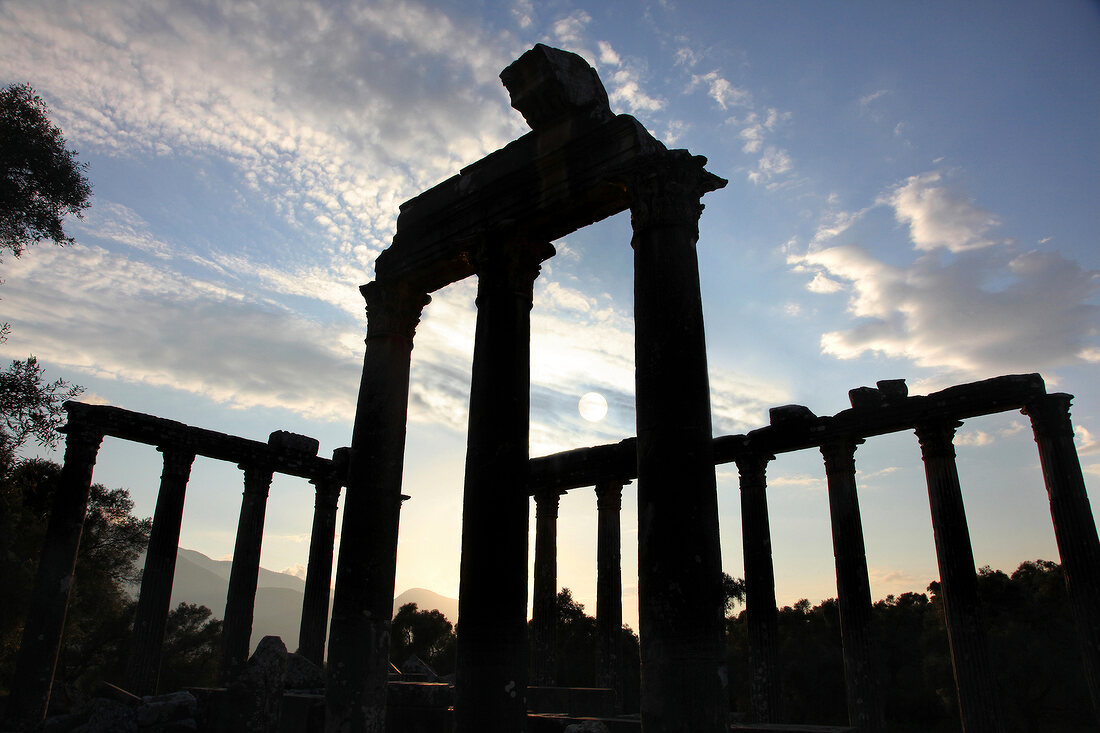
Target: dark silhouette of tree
pixel 1032 639
pixel 190 655
pixel 427 634
pixel 100 609
pixel 40 179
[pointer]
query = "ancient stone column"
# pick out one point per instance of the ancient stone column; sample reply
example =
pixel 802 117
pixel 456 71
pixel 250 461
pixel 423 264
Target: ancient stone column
pixel 544 617
pixel 37 659
pixel 679 555
pixel 311 633
pixel 865 705
pixel 609 587
pixel 1074 527
pixel 958 579
pixel 362 605
pixel 240 600
pixel 763 622
pixel 491 675
pixel 143 665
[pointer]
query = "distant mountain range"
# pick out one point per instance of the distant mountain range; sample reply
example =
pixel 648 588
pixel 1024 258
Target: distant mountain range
pixel 278 611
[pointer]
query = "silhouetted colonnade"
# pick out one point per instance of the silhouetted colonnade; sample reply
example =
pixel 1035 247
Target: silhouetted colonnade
pixel 875 411
pixel 496 219
pixel 87 425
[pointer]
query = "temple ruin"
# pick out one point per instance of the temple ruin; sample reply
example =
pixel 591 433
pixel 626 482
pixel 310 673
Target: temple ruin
pixel 496 219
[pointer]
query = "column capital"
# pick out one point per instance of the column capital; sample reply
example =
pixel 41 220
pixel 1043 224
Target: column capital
pixel 257 479
pixel 936 438
pixel 609 494
pixel 1050 415
pixel 839 454
pixel 393 309
pixel 511 264
pixel 546 502
pixel 665 190
pixel 177 461
pixel 81 435
pixel 749 464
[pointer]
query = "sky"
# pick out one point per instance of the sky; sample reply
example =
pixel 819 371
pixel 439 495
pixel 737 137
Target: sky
pixel 913 194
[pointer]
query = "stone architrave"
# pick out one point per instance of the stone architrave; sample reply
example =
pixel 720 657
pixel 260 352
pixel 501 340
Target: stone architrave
pixel 865 707
pixel 491 675
pixel 679 554
pixel 362 606
pixel 37 658
pixel 240 600
pixel 544 619
pixel 958 579
pixel 609 587
pixel 311 632
pixel 763 622
pixel 143 666
pixel 1074 527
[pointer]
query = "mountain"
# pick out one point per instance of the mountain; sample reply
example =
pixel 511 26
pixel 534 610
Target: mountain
pixel 278 611
pixel 427 600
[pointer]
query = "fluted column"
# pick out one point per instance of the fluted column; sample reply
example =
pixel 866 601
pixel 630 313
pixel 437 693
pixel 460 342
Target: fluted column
pixel 491 675
pixel 143 666
pixel 609 587
pixel 865 706
pixel 763 623
pixel 311 633
pixel 362 605
pixel 544 617
pixel 679 554
pixel 37 660
pixel 1074 526
pixel 240 599
pixel 958 580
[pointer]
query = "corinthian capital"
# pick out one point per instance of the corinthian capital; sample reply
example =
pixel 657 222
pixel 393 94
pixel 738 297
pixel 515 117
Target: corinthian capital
pixel 665 190
pixel 393 309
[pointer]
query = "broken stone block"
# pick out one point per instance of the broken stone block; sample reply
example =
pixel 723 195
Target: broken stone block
pixel 256 692
pixel 293 442
pixel 893 389
pixel 548 85
pixel 865 398
pixel 788 414
pixel 302 674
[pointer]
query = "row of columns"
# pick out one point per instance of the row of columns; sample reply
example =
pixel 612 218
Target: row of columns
pixel 679 568
pixel 37 658
pixel 1075 532
pixel 609 605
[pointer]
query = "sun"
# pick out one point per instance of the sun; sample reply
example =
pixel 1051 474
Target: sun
pixel 592 406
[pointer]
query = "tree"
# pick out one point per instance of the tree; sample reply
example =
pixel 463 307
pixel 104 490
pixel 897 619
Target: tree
pixel 40 179
pixel 192 645
pixel 31 406
pixel 100 610
pixel 427 634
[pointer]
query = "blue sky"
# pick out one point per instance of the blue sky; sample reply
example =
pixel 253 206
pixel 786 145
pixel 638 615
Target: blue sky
pixel 913 194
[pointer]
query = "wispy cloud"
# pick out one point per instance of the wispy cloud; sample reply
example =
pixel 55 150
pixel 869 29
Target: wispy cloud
pixel 938 217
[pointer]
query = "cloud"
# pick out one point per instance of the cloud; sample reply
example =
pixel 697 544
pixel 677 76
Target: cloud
pixel 774 162
pixel 721 90
pixel 570 30
pixel 325 122
pixel 939 217
pixel 970 316
pixel 142 323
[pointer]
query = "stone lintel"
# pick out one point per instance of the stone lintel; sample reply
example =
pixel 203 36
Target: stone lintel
pixel 574 469
pixel 547 85
pixel 293 458
pixel 540 187
pixel 583 467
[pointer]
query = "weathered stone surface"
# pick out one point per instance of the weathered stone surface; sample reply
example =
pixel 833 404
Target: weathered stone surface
pixel 587 726
pixel 293 442
pixel 109 716
pixel 256 693
pixel 548 85
pixel 865 398
pixel 302 674
pixel 173 707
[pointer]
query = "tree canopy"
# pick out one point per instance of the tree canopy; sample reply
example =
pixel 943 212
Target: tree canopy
pixel 41 181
